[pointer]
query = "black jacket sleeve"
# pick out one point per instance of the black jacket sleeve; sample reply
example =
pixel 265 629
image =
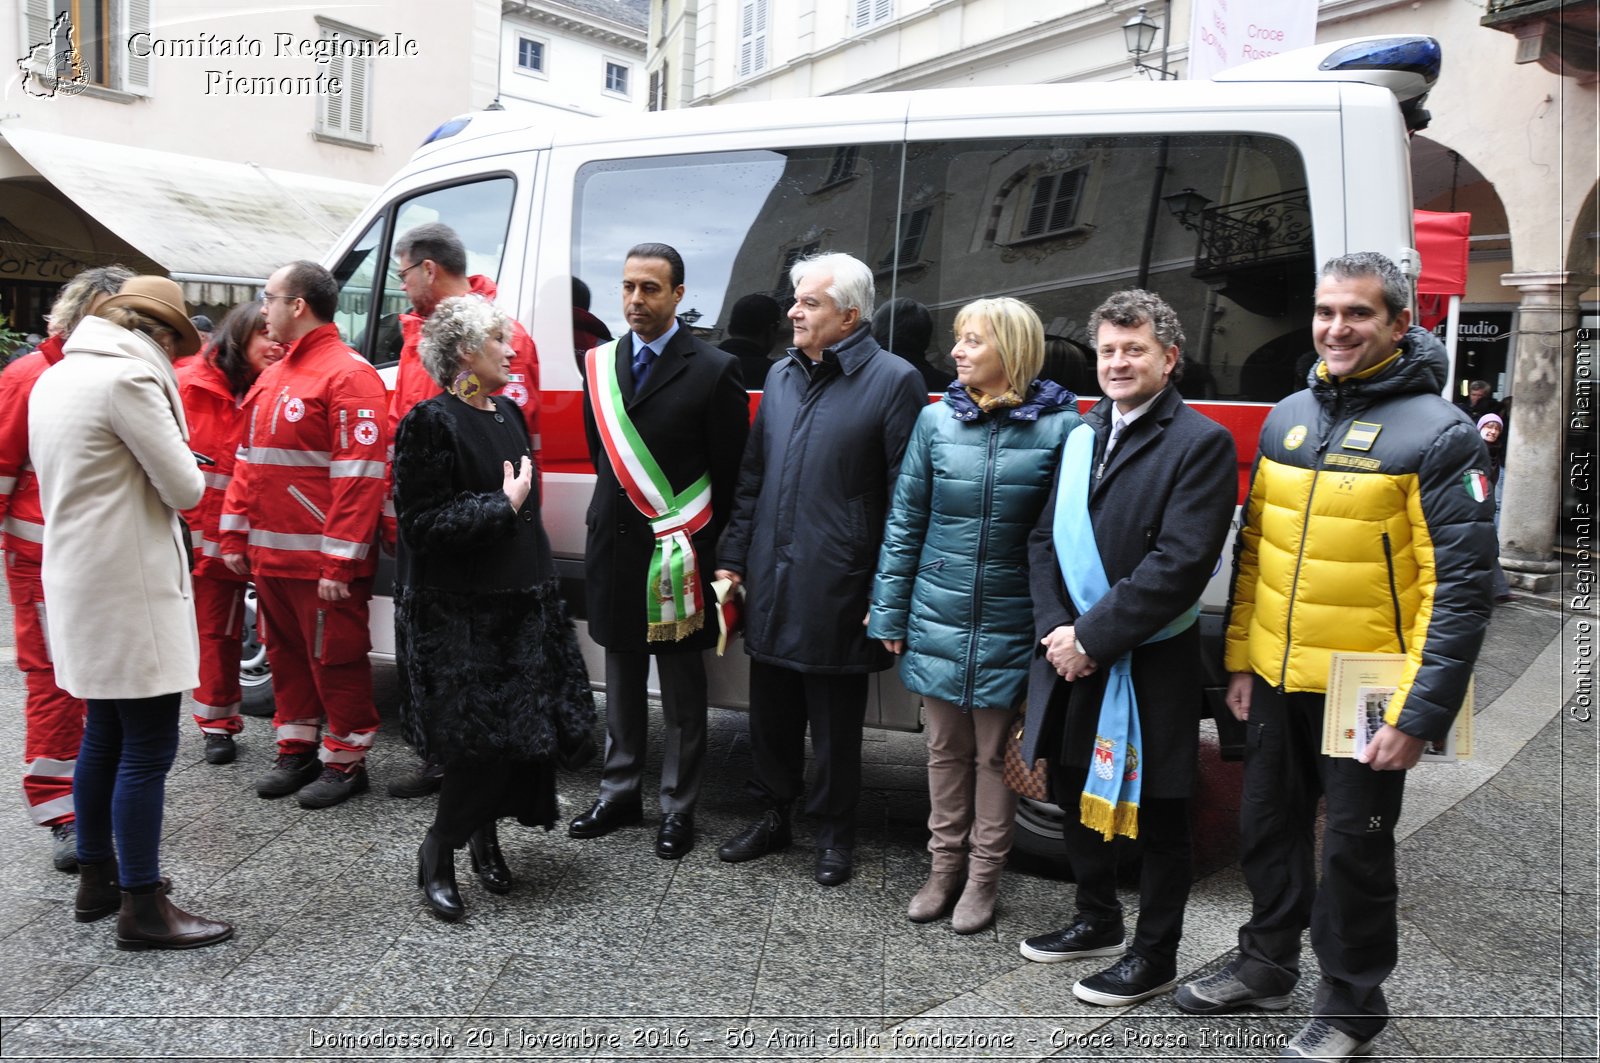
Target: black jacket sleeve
pixel 435 514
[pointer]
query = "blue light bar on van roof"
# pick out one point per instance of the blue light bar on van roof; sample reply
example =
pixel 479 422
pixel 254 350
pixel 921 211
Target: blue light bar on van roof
pixel 1417 55
pixel 448 129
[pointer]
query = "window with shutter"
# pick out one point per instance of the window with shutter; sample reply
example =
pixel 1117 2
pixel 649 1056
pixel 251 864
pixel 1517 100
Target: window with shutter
pixel 1054 207
pixel 136 68
pixel 752 37
pixel 871 13
pixel 345 117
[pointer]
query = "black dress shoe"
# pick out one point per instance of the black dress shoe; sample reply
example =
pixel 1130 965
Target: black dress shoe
pixel 604 817
pixel 676 836
pixel 436 877
pixel 220 749
pixel 833 866
pixel 766 835
pixel 487 860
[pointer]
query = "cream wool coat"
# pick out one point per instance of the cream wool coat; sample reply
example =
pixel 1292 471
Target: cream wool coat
pixel 108 440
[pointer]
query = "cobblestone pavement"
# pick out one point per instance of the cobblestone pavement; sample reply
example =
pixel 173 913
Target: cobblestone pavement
pixel 604 951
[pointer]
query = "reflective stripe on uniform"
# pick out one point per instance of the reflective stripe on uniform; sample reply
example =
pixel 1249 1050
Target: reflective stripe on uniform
pixel 236 522
pixel 45 767
pixel 25 530
pixel 298 732
pixel 219 480
pixel 353 467
pixel 284 456
pixel 52 809
pixel 362 739
pixel 196 537
pixel 8 484
pixel 215 712
pixel 345 548
pixel 210 549
pixel 310 542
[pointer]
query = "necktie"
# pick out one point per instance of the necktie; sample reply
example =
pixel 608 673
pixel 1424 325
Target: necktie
pixel 643 358
pixel 1117 425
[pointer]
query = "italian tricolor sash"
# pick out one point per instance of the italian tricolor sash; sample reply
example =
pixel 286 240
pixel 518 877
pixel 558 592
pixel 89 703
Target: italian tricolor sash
pixel 674 608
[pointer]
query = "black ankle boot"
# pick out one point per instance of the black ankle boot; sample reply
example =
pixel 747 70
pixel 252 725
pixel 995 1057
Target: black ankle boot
pixel 98 892
pixel 436 876
pixel 487 860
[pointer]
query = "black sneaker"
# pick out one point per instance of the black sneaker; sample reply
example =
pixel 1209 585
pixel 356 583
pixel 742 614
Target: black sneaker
pixel 1128 981
pixel 292 771
pixel 332 787
pixel 426 780
pixel 1082 940
pixel 64 854
pixel 220 749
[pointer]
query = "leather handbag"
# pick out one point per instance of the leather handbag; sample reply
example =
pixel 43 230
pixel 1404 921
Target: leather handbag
pixel 1025 781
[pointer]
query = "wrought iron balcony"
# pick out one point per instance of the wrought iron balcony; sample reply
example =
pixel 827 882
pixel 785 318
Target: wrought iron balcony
pixel 1246 234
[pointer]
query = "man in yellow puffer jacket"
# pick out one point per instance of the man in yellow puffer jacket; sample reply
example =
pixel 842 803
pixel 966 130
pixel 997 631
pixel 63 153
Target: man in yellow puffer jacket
pixel 1369 528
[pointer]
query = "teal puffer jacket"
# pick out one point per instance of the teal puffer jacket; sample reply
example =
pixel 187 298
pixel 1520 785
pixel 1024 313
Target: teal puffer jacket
pixel 953 571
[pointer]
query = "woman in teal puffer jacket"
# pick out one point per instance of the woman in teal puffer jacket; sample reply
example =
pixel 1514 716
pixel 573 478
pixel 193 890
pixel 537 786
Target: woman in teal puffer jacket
pixel 951 594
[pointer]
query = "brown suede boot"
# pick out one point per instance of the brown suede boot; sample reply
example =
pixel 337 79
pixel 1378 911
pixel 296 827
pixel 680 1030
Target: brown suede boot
pixel 935 896
pixel 152 921
pixel 975 910
pixel 98 892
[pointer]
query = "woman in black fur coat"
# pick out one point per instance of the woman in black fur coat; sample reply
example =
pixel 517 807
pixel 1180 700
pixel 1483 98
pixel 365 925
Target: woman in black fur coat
pixel 492 680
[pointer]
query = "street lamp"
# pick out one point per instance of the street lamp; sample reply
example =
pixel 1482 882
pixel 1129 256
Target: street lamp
pixel 1139 33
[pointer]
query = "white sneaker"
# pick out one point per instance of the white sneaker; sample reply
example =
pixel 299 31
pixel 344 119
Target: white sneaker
pixel 1318 1040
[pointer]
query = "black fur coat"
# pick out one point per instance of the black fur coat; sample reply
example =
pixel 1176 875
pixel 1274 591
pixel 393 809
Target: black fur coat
pixel 489 659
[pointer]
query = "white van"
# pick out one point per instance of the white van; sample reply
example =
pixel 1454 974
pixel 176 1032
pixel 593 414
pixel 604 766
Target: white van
pixel 1222 196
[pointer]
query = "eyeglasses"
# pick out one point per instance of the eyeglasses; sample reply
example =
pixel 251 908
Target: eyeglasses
pixel 267 297
pixel 408 269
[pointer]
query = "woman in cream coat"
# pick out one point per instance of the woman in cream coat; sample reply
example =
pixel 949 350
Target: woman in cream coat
pixel 108 440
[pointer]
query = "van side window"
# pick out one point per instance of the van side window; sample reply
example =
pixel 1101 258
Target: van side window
pixel 740 219
pixel 480 213
pixel 1219 225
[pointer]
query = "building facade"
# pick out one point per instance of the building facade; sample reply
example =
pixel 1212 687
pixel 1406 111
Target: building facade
pixel 573 57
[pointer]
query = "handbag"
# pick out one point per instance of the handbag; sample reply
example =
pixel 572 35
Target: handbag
pixel 1025 781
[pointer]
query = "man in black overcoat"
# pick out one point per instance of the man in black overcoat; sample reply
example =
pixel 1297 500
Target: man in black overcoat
pixel 689 409
pixel 1162 483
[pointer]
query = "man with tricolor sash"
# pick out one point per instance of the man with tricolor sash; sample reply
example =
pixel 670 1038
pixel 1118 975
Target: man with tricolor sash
pixel 1137 521
pixel 666 416
pixel 1368 529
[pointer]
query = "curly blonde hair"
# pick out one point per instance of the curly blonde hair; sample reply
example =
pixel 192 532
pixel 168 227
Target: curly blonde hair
pixel 457 329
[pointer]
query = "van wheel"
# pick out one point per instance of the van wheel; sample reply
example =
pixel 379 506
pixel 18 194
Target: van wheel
pixel 255 674
pixel 1037 845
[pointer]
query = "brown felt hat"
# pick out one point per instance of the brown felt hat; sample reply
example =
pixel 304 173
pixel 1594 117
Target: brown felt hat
pixel 161 299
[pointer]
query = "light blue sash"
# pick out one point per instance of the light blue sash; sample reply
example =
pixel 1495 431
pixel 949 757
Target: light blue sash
pixel 1110 801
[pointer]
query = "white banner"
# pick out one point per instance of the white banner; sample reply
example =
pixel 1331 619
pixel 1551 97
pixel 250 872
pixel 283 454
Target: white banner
pixel 1225 33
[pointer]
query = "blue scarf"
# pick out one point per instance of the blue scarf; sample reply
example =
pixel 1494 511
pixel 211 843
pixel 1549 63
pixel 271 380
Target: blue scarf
pixel 1110 801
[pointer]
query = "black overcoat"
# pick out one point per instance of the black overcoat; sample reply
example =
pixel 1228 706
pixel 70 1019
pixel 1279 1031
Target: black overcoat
pixel 693 415
pixel 1160 514
pixel 814 490
pixel 489 659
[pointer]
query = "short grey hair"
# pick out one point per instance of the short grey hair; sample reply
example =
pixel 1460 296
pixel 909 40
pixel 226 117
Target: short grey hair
pixel 852 281
pixel 1134 307
pixel 457 329
pixel 437 241
pixel 72 302
pixel 1361 264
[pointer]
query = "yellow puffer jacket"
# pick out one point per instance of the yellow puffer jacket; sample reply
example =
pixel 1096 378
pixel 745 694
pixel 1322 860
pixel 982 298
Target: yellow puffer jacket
pixel 1369 528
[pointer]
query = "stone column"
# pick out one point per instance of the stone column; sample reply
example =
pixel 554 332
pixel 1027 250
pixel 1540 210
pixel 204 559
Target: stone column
pixel 1531 509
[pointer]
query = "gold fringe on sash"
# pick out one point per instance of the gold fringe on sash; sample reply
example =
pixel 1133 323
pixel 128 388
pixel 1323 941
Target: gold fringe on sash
pixel 1097 814
pixel 673 630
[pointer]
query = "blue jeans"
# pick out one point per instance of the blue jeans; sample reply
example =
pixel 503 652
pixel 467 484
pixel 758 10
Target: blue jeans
pixel 120 784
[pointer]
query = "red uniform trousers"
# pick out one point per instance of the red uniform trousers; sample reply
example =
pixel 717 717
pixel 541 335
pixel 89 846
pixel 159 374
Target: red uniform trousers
pixel 318 652
pixel 54 718
pixel 219 614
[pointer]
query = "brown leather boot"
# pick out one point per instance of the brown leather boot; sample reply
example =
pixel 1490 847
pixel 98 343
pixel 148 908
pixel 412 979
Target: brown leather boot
pixel 975 910
pixel 152 921
pixel 934 898
pixel 98 892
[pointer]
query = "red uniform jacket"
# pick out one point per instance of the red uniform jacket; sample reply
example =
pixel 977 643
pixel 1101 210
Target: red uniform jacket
pixel 215 424
pixel 311 470
pixel 19 487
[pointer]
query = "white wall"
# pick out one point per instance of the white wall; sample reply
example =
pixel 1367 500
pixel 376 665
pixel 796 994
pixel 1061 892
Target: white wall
pixel 573 81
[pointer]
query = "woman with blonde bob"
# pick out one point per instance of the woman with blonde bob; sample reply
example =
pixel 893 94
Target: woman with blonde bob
pixel 951 595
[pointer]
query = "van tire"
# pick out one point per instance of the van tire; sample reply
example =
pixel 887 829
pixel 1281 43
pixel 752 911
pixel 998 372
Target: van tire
pixel 1037 847
pixel 255 673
